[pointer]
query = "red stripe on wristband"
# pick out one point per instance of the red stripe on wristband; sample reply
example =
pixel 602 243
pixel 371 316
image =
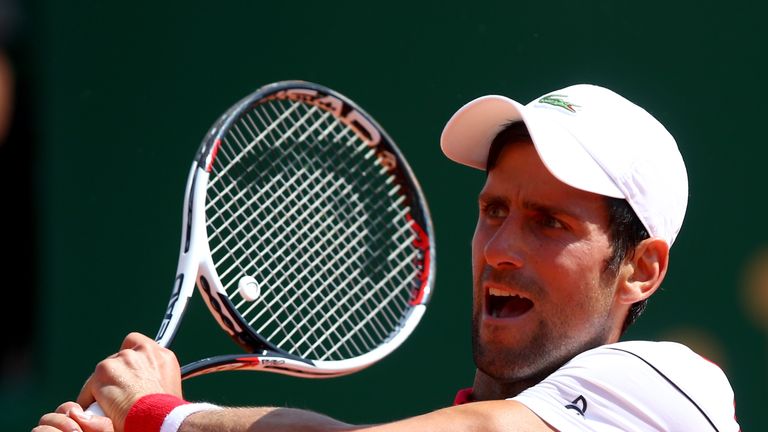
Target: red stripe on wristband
pixel 148 413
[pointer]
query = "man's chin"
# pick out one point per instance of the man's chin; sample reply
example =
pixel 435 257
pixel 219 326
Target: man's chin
pixel 503 369
pixel 514 360
pixel 503 363
pixel 506 379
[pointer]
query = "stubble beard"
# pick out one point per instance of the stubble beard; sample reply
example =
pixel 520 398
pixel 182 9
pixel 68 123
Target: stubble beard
pixel 532 360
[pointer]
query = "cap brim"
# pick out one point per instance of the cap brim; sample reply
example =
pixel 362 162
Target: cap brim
pixel 468 135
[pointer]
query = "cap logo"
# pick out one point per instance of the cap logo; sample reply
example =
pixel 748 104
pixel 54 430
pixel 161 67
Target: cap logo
pixel 558 101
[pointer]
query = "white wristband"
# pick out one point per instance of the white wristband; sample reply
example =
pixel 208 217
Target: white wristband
pixel 173 420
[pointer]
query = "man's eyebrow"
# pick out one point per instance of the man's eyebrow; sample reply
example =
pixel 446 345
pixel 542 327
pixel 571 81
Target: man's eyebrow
pixel 492 198
pixel 488 197
pixel 555 210
pixel 545 208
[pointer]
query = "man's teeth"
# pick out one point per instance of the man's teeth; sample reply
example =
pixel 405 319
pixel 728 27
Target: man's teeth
pixel 502 303
pixel 500 293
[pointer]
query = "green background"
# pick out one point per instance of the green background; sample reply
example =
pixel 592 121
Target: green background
pixel 123 93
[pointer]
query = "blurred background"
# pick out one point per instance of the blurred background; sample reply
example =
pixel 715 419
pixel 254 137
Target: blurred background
pixel 103 104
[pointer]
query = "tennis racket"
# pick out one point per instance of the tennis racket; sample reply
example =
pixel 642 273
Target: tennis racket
pixel 307 235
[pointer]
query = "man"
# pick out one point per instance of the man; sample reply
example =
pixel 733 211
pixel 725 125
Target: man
pixel 584 195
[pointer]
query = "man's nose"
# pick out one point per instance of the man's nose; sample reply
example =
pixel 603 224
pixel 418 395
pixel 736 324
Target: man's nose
pixel 504 248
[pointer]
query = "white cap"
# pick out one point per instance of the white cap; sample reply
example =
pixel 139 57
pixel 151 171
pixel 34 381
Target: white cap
pixel 589 138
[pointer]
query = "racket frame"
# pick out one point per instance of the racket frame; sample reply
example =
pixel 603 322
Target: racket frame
pixel 196 267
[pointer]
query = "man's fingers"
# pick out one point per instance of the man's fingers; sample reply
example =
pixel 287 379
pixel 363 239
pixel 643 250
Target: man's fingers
pixel 98 424
pixel 66 407
pixel 57 422
pixel 140 367
pixel 85 398
pixel 133 340
pixel 89 422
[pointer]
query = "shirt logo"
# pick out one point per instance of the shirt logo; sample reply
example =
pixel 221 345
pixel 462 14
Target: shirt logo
pixel 579 405
pixel 558 101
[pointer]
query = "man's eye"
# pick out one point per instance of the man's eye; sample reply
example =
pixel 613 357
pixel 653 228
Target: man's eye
pixel 495 211
pixel 550 222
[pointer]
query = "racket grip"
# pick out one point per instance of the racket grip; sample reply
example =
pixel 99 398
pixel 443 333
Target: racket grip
pixel 95 409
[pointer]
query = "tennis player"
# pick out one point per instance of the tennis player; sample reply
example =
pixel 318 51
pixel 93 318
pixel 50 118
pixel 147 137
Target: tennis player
pixel 585 193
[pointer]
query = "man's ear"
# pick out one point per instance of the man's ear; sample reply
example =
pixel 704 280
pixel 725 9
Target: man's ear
pixel 645 270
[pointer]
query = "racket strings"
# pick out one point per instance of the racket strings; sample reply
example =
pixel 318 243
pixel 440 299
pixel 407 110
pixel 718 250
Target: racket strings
pixel 391 191
pixel 314 328
pixel 232 217
pixel 270 187
pixel 290 200
pixel 261 329
pixel 221 194
pixel 274 317
pixel 368 317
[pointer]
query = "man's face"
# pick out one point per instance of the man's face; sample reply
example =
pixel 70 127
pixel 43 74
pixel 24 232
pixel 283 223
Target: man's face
pixel 541 294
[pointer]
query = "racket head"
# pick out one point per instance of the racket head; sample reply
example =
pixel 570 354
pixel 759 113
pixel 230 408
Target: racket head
pixel 319 247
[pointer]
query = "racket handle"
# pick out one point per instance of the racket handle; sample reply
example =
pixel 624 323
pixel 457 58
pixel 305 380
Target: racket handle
pixel 95 409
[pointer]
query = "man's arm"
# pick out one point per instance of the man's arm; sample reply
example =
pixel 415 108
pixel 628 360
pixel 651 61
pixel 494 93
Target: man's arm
pixel 491 416
pixel 142 367
pixel 503 415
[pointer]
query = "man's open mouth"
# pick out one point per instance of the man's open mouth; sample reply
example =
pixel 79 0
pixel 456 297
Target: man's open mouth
pixel 504 304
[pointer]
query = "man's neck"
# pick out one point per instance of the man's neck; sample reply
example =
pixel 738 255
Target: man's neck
pixel 488 388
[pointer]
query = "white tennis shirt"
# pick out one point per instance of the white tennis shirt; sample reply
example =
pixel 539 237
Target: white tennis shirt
pixel 635 386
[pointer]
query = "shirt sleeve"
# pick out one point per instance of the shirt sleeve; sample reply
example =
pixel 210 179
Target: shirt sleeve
pixel 635 387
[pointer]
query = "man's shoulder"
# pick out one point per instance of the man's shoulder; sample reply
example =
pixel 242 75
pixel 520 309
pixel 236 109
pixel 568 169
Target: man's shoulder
pixel 671 360
pixel 652 349
pixel 657 371
pixel 662 356
pixel 662 385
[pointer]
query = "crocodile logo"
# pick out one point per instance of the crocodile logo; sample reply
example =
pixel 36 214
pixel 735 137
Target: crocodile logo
pixel 559 101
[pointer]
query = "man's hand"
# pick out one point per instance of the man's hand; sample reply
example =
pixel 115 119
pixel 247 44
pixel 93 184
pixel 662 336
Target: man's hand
pixel 69 417
pixel 141 367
